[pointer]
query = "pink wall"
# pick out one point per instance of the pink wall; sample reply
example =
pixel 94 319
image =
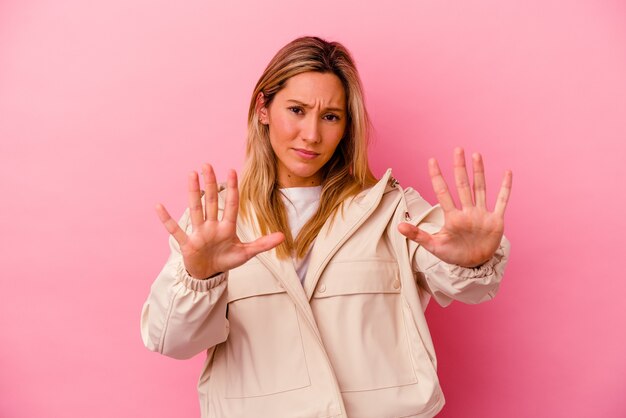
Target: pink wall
pixel 106 105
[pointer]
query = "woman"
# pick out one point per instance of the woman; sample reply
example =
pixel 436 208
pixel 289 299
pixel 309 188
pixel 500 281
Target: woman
pixel 307 288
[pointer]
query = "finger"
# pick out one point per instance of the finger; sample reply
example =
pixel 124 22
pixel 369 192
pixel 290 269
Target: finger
pixel 480 187
pixel 232 198
pixel 195 202
pixel 264 243
pixel 210 192
pixel 461 179
pixel 505 192
pixel 171 225
pixel 415 234
pixel 439 186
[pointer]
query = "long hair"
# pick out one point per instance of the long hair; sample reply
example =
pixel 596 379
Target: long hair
pixel 344 175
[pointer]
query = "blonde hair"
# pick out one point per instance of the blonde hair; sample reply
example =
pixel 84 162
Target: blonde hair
pixel 344 175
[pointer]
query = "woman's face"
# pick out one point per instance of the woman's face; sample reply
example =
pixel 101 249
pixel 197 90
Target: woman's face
pixel 306 120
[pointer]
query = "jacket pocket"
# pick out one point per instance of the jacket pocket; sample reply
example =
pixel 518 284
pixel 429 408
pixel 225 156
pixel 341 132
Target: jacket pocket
pixel 264 351
pixel 358 307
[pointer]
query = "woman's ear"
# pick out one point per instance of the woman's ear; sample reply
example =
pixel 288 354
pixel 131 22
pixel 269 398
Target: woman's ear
pixel 261 110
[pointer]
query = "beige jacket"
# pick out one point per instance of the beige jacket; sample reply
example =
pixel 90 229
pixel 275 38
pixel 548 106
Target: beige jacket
pixel 352 342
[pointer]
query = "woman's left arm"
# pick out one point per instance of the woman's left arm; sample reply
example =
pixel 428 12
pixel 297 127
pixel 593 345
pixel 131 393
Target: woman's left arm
pixel 468 240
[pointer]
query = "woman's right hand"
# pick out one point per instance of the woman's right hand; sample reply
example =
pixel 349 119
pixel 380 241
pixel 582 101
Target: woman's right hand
pixel 213 246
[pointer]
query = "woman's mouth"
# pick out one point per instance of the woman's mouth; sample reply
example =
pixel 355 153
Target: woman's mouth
pixel 306 154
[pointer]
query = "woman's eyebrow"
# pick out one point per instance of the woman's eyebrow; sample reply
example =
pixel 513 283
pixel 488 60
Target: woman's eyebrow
pixel 308 106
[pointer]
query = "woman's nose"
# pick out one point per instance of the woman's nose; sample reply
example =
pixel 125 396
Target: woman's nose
pixel 310 128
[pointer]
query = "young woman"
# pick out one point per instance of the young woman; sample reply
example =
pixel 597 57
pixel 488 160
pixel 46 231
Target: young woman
pixel 307 288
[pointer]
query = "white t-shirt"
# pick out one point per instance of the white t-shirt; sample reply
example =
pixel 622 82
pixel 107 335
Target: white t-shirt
pixel 301 204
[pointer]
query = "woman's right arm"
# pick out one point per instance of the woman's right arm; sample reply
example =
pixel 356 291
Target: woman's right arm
pixel 184 316
pixel 186 310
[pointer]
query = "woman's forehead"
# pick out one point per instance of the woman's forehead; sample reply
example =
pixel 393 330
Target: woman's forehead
pixel 313 88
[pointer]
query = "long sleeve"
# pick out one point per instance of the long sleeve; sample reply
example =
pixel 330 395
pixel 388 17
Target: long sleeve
pixel 447 282
pixel 182 315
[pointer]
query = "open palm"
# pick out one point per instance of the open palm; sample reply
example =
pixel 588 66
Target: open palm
pixel 212 246
pixel 470 234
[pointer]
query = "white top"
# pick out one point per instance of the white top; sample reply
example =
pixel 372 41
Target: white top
pixel 301 204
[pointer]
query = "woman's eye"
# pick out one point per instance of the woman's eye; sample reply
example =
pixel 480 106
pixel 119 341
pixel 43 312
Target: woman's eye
pixel 331 117
pixel 296 110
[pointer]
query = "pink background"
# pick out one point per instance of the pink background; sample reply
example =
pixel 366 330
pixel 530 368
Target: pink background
pixel 106 105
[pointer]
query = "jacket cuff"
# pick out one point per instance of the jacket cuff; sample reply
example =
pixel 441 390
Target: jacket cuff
pixel 483 270
pixel 200 285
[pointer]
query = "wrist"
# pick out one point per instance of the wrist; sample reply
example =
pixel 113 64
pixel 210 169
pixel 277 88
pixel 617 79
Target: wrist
pixel 475 265
pixel 203 277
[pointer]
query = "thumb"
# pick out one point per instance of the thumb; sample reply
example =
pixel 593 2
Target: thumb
pixel 413 233
pixel 264 243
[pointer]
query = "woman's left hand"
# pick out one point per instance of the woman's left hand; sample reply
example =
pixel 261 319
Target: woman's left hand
pixel 470 235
